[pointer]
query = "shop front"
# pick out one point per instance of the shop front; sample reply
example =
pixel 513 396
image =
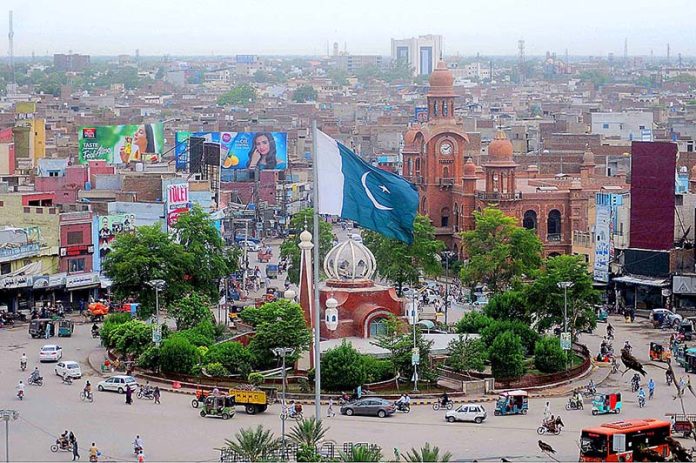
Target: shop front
pixel 642 292
pixel 82 287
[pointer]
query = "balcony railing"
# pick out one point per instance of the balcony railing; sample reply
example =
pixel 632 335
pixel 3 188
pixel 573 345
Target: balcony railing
pixel 420 179
pixel 496 196
pixel 9 252
pixel 553 237
pixel 445 181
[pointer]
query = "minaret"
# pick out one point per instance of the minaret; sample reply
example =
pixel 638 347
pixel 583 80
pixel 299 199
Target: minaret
pixel 306 284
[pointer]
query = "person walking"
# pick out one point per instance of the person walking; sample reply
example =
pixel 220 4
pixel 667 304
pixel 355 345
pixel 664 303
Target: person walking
pixel 330 412
pixel 651 389
pixel 129 395
pixel 156 394
pixel 73 443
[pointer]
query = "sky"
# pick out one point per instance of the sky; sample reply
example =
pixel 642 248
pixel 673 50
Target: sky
pixel 303 27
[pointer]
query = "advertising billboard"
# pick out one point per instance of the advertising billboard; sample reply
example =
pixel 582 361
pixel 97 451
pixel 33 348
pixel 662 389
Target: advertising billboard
pixel 652 195
pixel 111 225
pixel 177 202
pixel 420 114
pixel 240 150
pixel 121 144
pixel 602 237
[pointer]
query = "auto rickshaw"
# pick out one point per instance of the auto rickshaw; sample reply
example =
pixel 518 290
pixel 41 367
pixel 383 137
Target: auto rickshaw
pixel 222 406
pixel 606 403
pixel 680 353
pixel 39 326
pixel 690 361
pixel 602 315
pixel 512 403
pixel 272 270
pixel 658 353
pixel 65 328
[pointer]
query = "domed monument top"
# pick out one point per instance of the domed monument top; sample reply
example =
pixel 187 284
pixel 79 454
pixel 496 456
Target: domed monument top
pixel 350 261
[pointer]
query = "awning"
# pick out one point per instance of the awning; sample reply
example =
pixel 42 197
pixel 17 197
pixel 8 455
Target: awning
pixel 645 281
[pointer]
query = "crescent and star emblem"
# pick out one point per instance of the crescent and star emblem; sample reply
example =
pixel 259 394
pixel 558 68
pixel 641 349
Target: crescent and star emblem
pixel 369 194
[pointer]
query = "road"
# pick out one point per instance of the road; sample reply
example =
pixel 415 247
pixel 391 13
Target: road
pixel 173 431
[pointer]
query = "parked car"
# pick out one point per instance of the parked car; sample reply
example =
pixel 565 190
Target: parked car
pixel 118 384
pixel 373 406
pixel 250 245
pixel 51 353
pixel 240 238
pixel 665 317
pixel 480 301
pixel 68 368
pixel 355 237
pixel 467 412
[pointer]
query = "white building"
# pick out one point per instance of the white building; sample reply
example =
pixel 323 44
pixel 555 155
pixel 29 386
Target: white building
pixel 422 53
pixel 626 125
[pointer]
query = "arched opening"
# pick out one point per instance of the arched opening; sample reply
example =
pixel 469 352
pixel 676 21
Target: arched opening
pixel 444 108
pixel 553 226
pixel 409 167
pixel 423 204
pixel 445 172
pixel 530 220
pixel 456 217
pixel 554 254
pixel 377 327
pixel 444 217
pixel 418 166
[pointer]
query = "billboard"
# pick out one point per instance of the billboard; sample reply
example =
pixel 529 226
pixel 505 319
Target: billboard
pixel 652 195
pixel 602 237
pixel 177 202
pixel 111 225
pixel 240 150
pixel 420 114
pixel 121 144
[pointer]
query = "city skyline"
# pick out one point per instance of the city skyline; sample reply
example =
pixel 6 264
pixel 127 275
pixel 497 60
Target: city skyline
pixel 306 27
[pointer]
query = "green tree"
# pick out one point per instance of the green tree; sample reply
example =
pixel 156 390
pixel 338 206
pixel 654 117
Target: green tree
pixel 427 453
pixel 549 357
pixel 178 355
pixel 402 263
pixel 549 298
pixel 132 337
pixel 338 76
pixel 342 368
pixel 361 453
pixel 510 305
pixel 232 355
pixel 290 250
pixel 240 95
pixel 261 77
pixel 473 322
pixel 399 342
pixel 277 324
pixel 466 354
pixel 304 93
pixel 216 369
pixel 507 357
pixel 398 70
pixel 308 432
pixel 255 444
pixel 499 251
pixel 527 335
pixel 367 74
pixel 190 310
pixel 598 78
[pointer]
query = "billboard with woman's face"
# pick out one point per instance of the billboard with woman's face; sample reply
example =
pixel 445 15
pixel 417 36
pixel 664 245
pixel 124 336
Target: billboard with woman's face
pixel 240 150
pixel 121 144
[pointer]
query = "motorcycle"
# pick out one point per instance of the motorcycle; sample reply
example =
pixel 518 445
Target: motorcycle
pixel 95 333
pixel 574 404
pixel 551 427
pixel 61 444
pixel 635 385
pixel 136 449
pixel 402 407
pixel 22 365
pixel 449 405
pixel 146 393
pixel 641 402
pixel 67 380
pixel 20 394
pixel 35 381
pixel 590 391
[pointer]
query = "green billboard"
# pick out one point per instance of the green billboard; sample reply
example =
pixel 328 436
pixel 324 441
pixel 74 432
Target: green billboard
pixel 121 144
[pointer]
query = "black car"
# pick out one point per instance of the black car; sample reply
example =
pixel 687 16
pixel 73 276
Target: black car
pixel 373 406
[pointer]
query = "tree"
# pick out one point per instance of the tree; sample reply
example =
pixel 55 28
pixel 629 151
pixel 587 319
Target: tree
pixel 239 95
pixel 304 93
pixel 493 331
pixel 549 357
pixel 290 250
pixel 402 263
pixel 132 337
pixel 427 453
pixel 507 357
pixel 232 355
pixel 367 74
pixel 549 298
pixel 466 354
pixel 510 305
pixel 342 368
pixel 361 453
pixel 499 251
pixel 253 444
pixel 210 260
pixel 338 76
pixel 399 342
pixel 308 432
pixel 473 322
pixel 144 255
pixel 178 355
pixel 398 70
pixel 191 310
pixel 277 324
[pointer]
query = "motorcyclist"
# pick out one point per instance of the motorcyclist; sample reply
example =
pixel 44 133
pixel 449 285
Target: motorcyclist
pixel 444 399
pixel 35 375
pixel 627 346
pixel 591 387
pixel 137 444
pixel 88 389
pixel 63 440
pixel 577 399
pixel 400 401
pixel 95 329
pixel 20 388
pixel 641 396
pixel 23 361
pixel 610 331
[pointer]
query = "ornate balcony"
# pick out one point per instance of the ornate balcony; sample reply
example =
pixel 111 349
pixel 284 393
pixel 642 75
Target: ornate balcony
pixel 497 197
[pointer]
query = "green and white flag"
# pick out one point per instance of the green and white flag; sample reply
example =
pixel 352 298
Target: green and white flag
pixel 353 189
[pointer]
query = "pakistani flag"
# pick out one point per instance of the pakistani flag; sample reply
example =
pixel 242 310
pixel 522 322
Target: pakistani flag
pixel 354 190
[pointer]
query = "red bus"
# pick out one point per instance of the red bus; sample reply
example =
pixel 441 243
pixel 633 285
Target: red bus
pixel 616 441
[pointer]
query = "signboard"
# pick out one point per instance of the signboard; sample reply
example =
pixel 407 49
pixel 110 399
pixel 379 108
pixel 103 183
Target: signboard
pixel 121 144
pixel 239 150
pixel 40 282
pixel 156 334
pixel 602 238
pixel 111 225
pixel 81 279
pixel 77 250
pixel 565 341
pixel 684 284
pixel 420 114
pixel 177 202
pixel 57 279
pixel 415 356
pixel 18 281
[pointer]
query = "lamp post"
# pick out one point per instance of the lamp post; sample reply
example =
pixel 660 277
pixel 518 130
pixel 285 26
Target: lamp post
pixel 8 415
pixel 414 352
pixel 565 285
pixel 158 285
pixel 283 352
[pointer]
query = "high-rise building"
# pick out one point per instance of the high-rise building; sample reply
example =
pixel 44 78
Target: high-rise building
pixel 421 53
pixel 71 62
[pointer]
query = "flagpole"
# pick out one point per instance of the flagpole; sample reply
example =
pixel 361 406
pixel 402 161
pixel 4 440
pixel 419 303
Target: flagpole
pixel 317 308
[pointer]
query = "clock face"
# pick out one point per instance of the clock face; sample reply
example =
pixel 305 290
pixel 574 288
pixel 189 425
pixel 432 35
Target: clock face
pixel 446 148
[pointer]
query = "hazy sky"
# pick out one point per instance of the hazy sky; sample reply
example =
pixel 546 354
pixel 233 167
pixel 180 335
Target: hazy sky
pixel 202 27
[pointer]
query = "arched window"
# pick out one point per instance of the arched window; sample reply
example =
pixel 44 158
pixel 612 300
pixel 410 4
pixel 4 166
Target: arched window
pixel 553 226
pixel 444 217
pixel 530 220
pixel 418 166
pixel 423 206
pixel 434 108
pixel 378 327
pixel 456 218
pixel 445 172
pixel 409 166
pixel 444 108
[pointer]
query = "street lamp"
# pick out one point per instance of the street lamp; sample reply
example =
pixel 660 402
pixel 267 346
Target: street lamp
pixel 6 416
pixel 290 295
pixel 565 285
pixel 283 352
pixel 415 354
pixel 158 285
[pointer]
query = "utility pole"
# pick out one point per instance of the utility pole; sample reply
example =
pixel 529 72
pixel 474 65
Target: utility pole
pixel 565 285
pixel 6 416
pixel 158 285
pixel 283 352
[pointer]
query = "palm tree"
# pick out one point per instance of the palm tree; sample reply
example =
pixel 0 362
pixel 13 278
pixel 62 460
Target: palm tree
pixel 307 432
pixel 253 444
pixel 426 453
pixel 361 453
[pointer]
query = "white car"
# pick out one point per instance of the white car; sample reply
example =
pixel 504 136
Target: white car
pixel 118 384
pixel 250 245
pixel 68 368
pixel 467 412
pixel 355 237
pixel 51 353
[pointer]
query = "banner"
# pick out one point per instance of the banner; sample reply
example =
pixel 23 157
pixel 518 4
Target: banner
pixel 602 237
pixel 110 226
pixel 420 114
pixel 177 202
pixel 121 144
pixel 240 150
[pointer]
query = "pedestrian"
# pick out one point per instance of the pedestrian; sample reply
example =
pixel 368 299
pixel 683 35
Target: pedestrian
pixel 141 457
pixel 547 411
pixel 73 443
pixel 129 395
pixel 82 306
pixel 156 394
pixel 651 389
pixel 330 412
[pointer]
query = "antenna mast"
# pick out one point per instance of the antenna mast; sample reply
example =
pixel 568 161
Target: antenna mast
pixel 10 36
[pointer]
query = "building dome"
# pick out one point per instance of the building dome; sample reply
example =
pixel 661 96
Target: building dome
pixel 588 157
pixel 500 150
pixel 441 81
pixel 469 168
pixel 350 260
pixel 410 136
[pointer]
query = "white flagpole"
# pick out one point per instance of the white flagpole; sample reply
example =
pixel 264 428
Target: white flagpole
pixel 317 308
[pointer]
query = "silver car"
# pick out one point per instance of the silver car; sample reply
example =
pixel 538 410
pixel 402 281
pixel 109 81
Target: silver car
pixel 118 383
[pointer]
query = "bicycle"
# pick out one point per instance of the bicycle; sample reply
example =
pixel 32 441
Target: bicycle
pixel 87 396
